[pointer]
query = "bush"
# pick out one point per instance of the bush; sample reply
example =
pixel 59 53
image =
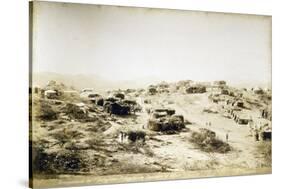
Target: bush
pixel 95 141
pixel 75 112
pixel 65 161
pixel 41 161
pixel 70 97
pixel 265 149
pixel 45 111
pixel 64 136
pixel 207 141
pixel 136 135
pixel 69 161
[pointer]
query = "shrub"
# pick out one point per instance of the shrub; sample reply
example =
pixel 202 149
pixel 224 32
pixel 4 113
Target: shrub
pixel 207 141
pixel 69 161
pixel 70 97
pixel 75 112
pixel 265 149
pixel 42 161
pixel 95 141
pixel 136 135
pixel 45 111
pixel 65 161
pixel 64 136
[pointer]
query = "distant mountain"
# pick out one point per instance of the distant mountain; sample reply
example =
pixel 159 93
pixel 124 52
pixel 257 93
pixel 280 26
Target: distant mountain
pixel 80 81
pixel 249 84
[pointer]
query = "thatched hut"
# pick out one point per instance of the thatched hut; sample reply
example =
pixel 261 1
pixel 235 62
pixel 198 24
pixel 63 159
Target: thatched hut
pixel 117 108
pixel 166 123
pixel 196 89
pixel 152 90
pixel 50 94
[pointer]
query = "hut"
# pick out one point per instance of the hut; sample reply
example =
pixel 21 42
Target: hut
pixel 241 118
pixel 165 120
pixel 119 95
pixel 117 108
pixel 87 90
pixel 93 97
pixel 152 90
pixel 50 94
pixel 224 92
pixel 219 83
pixel 195 89
pixel 257 90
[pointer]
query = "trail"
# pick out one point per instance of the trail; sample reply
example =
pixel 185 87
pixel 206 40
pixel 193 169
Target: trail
pixel 181 153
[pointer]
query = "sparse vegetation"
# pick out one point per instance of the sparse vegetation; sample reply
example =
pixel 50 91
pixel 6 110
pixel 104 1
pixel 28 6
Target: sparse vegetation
pixel 60 162
pixel 202 165
pixel 75 112
pixel 44 111
pixel 208 142
pixel 95 140
pixel 265 149
pixel 136 135
pixel 65 135
pixel 210 110
pixel 80 136
pixel 71 98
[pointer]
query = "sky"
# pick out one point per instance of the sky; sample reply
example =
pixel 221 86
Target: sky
pixel 125 43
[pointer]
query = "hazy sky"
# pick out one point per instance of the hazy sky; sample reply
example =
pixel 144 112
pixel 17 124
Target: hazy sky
pixel 121 43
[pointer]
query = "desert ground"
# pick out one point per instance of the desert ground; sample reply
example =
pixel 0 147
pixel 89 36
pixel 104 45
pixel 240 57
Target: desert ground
pixel 185 127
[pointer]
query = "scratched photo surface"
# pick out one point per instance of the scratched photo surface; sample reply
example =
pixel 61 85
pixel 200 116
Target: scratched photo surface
pixel 129 94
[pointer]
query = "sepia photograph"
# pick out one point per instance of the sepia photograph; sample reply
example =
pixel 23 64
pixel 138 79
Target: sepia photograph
pixel 121 94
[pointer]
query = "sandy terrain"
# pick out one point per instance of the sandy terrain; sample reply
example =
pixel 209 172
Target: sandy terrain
pixel 160 153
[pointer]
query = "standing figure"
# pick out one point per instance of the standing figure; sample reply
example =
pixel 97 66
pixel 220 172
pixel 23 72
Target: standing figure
pixel 257 136
pixel 226 137
pixel 121 137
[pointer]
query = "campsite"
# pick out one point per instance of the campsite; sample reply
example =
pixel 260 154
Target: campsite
pixel 179 127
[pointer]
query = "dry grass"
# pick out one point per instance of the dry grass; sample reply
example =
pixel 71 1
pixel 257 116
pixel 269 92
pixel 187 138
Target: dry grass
pixel 130 168
pixel 65 136
pixel 94 141
pixel 202 165
pixel 265 149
